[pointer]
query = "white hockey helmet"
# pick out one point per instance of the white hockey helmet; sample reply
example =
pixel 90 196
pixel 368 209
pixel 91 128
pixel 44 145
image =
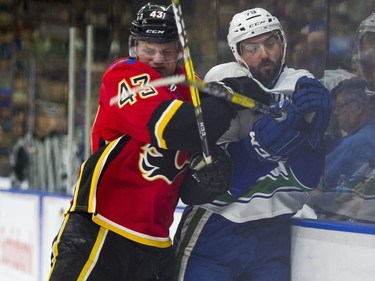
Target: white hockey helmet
pixel 365 31
pixel 251 23
pixel 367 25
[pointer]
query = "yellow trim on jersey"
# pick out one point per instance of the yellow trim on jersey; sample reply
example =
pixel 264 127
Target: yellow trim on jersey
pixel 91 208
pixel 131 234
pixel 55 249
pixel 164 120
pixel 76 191
pixel 94 255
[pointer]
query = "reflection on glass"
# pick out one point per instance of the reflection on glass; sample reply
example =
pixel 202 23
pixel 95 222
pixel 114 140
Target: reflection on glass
pixel 348 186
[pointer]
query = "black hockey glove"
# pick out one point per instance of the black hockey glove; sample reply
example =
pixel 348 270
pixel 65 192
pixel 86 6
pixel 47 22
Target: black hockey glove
pixel 215 177
pixel 204 182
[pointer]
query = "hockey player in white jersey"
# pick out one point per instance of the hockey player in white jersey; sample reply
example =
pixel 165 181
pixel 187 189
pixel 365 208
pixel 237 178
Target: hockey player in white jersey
pixel 245 234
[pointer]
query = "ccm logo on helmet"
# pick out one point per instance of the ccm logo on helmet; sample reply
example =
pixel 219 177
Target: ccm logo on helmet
pixel 257 23
pixel 153 31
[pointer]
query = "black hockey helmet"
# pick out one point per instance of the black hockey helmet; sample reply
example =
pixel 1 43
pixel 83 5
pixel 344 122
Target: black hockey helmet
pixel 154 23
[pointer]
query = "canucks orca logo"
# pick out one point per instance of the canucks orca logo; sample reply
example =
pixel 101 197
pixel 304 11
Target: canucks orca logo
pixel 157 163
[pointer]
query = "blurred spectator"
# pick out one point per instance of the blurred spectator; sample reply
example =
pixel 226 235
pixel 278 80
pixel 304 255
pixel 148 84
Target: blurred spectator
pixel 316 43
pixel 40 159
pixel 341 39
pixel 300 56
pixel 351 162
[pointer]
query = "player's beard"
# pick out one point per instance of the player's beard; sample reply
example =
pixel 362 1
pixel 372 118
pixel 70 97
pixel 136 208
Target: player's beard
pixel 267 77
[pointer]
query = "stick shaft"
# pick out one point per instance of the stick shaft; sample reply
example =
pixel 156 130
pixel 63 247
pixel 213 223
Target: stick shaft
pixel 190 73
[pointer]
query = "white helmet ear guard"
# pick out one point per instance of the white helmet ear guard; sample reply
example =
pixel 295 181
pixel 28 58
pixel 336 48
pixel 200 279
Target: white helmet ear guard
pixel 251 23
pixel 132 45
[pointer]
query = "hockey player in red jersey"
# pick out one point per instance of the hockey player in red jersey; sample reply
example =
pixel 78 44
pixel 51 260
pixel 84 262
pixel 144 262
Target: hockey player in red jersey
pixel 117 227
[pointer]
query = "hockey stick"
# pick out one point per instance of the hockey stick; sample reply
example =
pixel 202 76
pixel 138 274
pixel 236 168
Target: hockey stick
pixel 191 76
pixel 233 97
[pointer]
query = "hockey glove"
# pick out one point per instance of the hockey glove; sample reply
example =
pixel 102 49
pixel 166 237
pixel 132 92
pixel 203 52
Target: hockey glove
pixel 203 183
pixel 215 177
pixel 314 101
pixel 273 138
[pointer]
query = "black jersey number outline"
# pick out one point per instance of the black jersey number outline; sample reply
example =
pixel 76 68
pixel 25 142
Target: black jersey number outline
pixel 126 96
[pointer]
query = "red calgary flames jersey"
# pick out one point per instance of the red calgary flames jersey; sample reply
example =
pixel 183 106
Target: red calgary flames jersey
pixel 130 184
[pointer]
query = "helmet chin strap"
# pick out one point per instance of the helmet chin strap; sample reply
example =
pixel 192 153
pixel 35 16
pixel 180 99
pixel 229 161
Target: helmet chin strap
pixel 242 61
